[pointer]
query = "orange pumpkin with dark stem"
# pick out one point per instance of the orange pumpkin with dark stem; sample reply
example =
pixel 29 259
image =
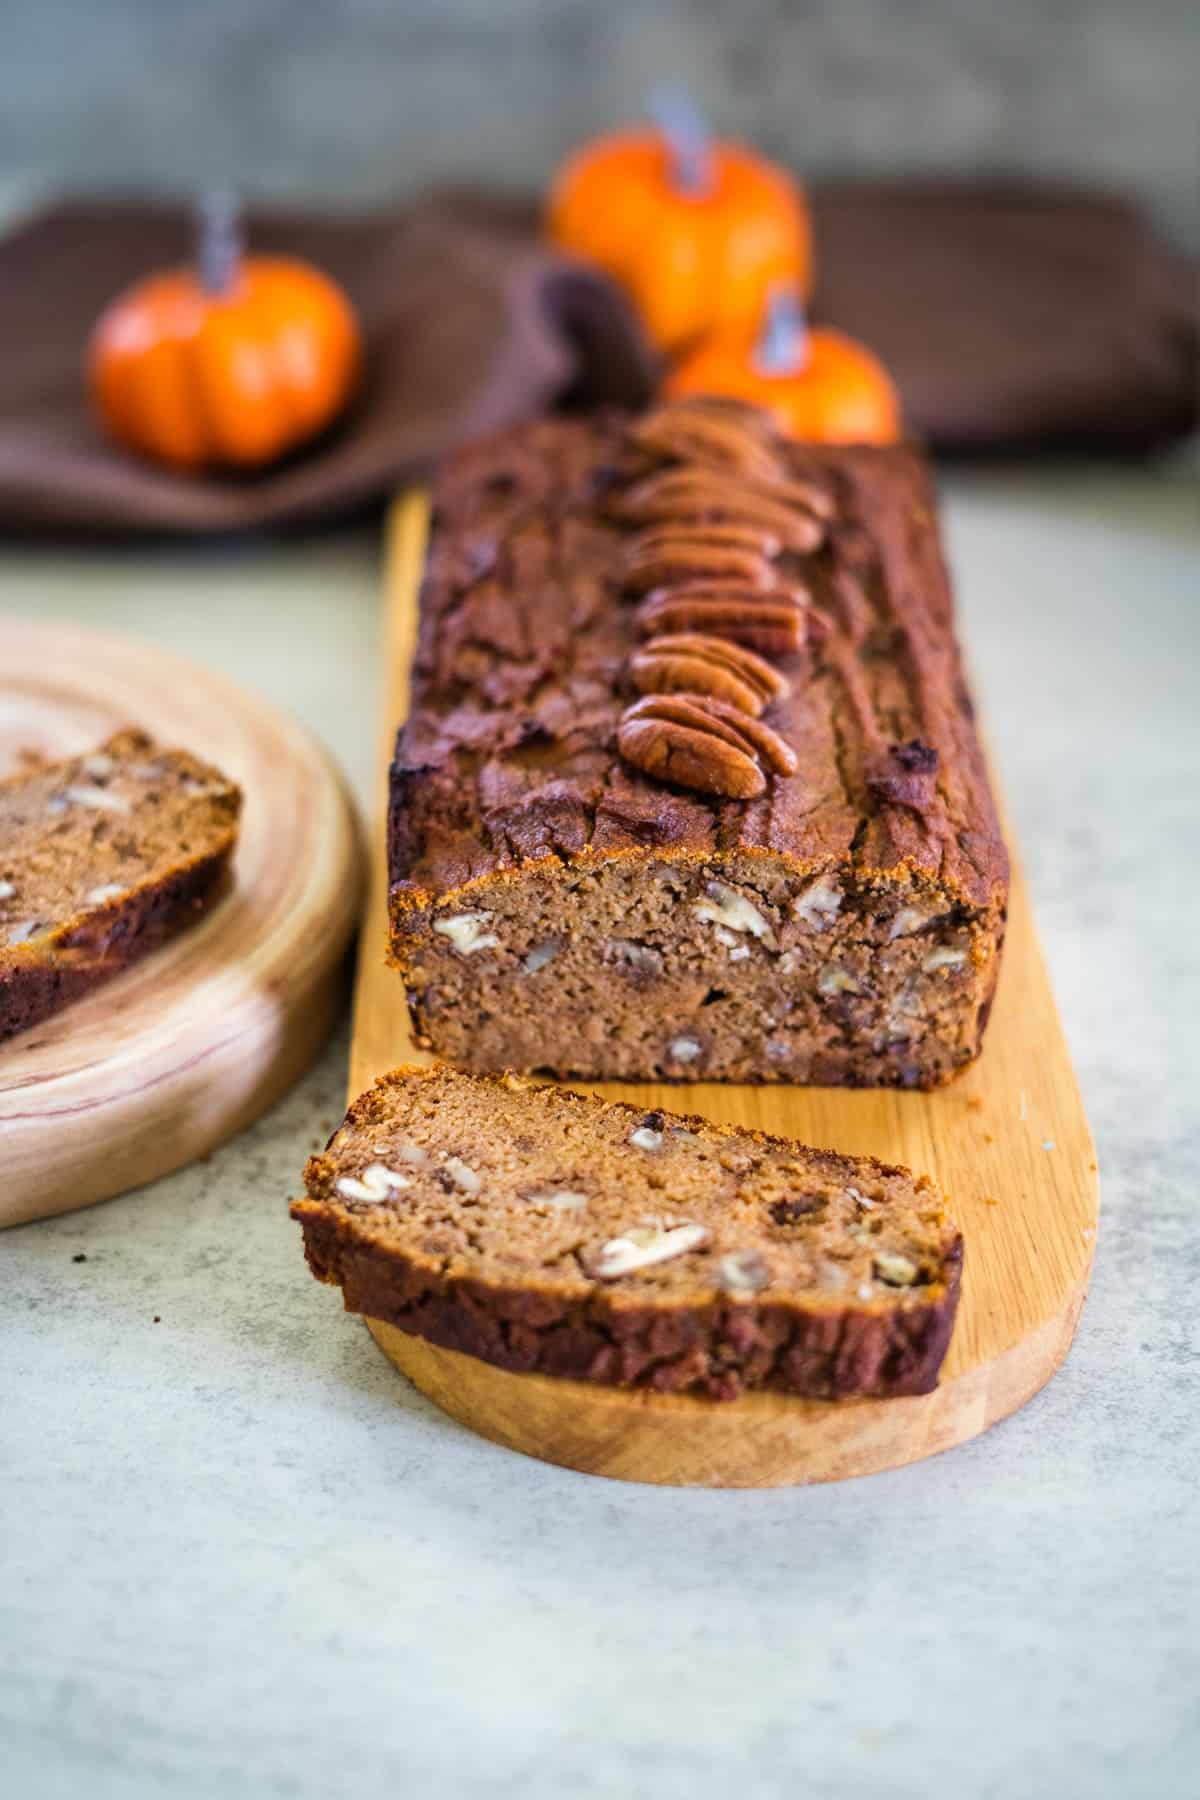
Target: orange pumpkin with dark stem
pixel 228 364
pixel 819 384
pixel 696 232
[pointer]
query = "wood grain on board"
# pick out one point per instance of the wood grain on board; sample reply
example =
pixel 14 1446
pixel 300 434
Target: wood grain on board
pixel 165 1061
pixel 1008 1141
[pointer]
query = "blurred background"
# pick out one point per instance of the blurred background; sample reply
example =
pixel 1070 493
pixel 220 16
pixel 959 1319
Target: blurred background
pixel 352 101
pixel 330 1584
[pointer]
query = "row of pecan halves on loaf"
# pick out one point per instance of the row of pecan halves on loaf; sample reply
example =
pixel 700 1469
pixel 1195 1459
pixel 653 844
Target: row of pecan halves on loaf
pixel 713 604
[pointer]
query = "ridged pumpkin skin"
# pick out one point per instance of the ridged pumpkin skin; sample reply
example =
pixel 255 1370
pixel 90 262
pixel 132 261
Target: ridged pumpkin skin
pixel 841 395
pixel 197 379
pixel 692 263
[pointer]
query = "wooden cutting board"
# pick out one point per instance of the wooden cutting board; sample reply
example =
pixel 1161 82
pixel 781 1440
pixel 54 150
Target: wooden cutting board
pixel 1008 1141
pixel 174 1055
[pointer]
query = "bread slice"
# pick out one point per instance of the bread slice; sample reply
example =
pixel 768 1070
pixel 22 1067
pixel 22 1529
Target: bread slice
pixel 101 858
pixel 550 1232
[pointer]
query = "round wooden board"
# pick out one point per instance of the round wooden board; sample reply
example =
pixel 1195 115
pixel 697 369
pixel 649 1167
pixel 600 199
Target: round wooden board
pixel 1008 1142
pixel 189 1045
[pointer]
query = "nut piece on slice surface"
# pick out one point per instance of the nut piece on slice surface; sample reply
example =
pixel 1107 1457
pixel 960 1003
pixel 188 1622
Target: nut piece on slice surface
pixel 604 1244
pixel 102 857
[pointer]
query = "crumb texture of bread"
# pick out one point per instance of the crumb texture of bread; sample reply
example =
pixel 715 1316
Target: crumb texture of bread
pixel 555 907
pixel 102 858
pixel 549 1232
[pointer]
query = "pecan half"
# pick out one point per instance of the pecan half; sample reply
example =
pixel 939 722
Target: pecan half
pixel 755 418
pixel 700 553
pixel 774 621
pixel 759 426
pixel 690 433
pixel 722 534
pixel 690 662
pixel 810 496
pixel 701 743
pixel 676 496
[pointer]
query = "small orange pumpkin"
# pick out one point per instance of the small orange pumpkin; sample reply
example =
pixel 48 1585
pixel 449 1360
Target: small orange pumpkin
pixel 696 232
pixel 819 384
pixel 228 364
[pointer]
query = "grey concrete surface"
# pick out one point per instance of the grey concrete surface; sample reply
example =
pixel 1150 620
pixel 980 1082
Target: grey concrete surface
pixel 360 99
pixel 239 1557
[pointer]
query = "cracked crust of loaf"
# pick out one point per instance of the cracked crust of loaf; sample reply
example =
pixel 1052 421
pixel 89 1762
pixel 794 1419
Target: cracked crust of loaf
pixel 160 886
pixel 673 1332
pixel 507 775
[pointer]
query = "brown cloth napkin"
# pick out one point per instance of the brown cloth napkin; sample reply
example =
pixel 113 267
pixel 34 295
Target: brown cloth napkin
pixel 469 324
pixel 1009 319
pixel 1015 318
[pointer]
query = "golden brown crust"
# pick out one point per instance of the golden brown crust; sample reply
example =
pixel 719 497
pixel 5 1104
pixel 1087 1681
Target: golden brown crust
pixel 524 631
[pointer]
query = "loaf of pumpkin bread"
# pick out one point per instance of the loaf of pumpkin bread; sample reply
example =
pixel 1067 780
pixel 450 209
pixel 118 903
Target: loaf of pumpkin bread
pixel 550 1232
pixel 690 787
pixel 102 857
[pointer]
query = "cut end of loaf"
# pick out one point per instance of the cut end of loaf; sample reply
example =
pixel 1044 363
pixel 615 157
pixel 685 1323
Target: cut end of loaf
pixel 718 968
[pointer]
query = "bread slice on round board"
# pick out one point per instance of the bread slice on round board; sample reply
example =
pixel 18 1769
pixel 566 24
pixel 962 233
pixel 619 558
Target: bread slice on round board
pixel 156 1066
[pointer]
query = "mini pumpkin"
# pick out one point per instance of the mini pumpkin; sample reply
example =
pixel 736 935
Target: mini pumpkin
pixel 231 363
pixel 818 383
pixel 697 232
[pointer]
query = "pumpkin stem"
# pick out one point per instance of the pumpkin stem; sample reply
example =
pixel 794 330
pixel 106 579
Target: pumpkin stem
pixel 219 241
pixel 689 142
pixel 782 348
